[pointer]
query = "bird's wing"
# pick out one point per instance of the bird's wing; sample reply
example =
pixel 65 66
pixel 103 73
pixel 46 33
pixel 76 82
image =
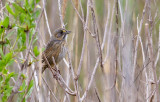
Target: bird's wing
pixel 52 50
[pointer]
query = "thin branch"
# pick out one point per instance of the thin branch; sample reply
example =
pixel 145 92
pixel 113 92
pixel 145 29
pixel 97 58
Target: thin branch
pixel 50 90
pixel 77 12
pixel 106 27
pixel 157 58
pixel 97 95
pixel 97 36
pixel 109 33
pixel 46 18
pixel 59 78
pixel 139 28
pixel 60 14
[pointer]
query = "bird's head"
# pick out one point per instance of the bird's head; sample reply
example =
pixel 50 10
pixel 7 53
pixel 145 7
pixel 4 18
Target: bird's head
pixel 61 33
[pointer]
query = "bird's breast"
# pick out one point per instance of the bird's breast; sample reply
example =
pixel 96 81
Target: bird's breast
pixel 62 53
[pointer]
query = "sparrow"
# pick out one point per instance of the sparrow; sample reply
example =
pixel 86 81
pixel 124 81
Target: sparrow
pixel 56 48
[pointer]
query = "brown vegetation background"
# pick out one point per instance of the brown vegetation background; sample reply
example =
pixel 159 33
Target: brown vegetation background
pixel 113 51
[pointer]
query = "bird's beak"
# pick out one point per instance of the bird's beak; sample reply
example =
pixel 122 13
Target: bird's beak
pixel 68 32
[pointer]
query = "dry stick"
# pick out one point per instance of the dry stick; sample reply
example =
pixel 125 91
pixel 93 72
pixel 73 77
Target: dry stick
pixel 82 20
pixel 63 26
pixel 73 76
pixel 97 36
pixel 50 90
pixel 144 59
pixel 78 13
pixel 153 92
pixel 152 59
pixel 143 55
pixel 81 9
pixel 97 95
pixel 46 18
pixel 83 48
pixel 71 67
pixel 62 82
pixel 139 28
pixel 59 78
pixel 91 80
pixel 109 33
pixel 157 58
pixel 60 14
pixel 122 22
pixel 150 42
pixel 96 65
pixel 33 55
pixel 19 79
pixel 116 67
pixel 84 42
pixel 106 27
pixel 97 61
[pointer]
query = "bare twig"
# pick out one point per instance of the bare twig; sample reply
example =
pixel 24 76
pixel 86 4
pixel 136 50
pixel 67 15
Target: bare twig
pixel 60 14
pixel 97 95
pixel 157 58
pixel 97 36
pixel 139 28
pixel 106 27
pixel 109 33
pixel 50 90
pixel 46 18
pixel 59 78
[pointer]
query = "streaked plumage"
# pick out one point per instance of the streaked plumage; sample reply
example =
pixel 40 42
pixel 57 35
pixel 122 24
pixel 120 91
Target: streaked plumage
pixel 55 48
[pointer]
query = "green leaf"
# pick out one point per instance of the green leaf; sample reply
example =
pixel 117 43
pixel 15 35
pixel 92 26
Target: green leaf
pixel 1 78
pixel 22 17
pixel 18 8
pixel 37 1
pixel 7 58
pixel 26 4
pixel 31 2
pixel 4 98
pixel 9 9
pixel 1 53
pixel 35 51
pixel 2 65
pixel 30 88
pixel 1 31
pixel 8 90
pixel 21 37
pixel 9 77
pixel 22 48
pixel 6 22
pixel 36 13
pixel 10 62
pixel 23 76
pixel 5 71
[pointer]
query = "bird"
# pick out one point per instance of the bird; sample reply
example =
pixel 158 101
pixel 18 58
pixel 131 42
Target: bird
pixel 56 48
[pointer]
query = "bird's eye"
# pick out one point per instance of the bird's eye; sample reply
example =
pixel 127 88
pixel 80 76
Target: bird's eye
pixel 61 32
